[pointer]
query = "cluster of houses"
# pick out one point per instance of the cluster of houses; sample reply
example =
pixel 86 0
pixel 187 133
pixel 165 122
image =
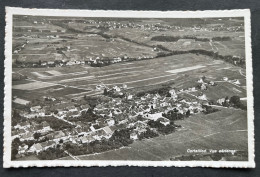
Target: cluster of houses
pixel 17 50
pixel 120 25
pixel 115 112
pixel 59 110
pixel 150 107
pixel 81 133
pixel 111 25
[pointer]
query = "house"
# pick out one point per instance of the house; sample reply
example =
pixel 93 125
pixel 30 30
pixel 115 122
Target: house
pixel 73 140
pixel 22 149
pixel 21 131
pixel 203 86
pixel 41 113
pixel 14 132
pixel 21 101
pixel 117 111
pixel 116 88
pixel 129 97
pixel 50 62
pixel 79 130
pixel 164 121
pixel 110 122
pixel 45 127
pixel 72 109
pixel 108 130
pixel 36 148
pixel 163 104
pixel 92 128
pixel 212 83
pixel 45 124
pixel 87 139
pixel 202 97
pixel 140 125
pixel 221 101
pixel 61 112
pixel 47 144
pixel 35 108
pixel 133 136
pixel 154 116
pixel 99 107
pixel 27 136
pixel 99 134
pixel 225 79
pixel 84 107
pixel 44 63
pixel 140 131
pixel 73 114
pixel 23 125
pixel 86 128
pixel 236 82
pixel 200 81
pixel 58 135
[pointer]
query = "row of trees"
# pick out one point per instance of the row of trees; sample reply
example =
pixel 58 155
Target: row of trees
pixel 51 154
pixel 175 115
pixel 209 109
pixel 235 102
pixel 17 118
pixel 112 93
pixel 147 134
pixel 55 124
pixel 17 142
pixel 163 129
pixel 162 91
pixel 176 38
pixel 118 139
pixel 85 117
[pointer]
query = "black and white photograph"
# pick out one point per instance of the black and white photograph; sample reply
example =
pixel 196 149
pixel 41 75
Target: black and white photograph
pixel 90 88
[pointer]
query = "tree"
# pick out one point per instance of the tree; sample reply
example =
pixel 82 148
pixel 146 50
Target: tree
pixel 188 113
pixel 14 153
pixel 235 100
pixel 105 91
pixel 209 109
pixel 16 141
pixel 36 135
pixel 56 112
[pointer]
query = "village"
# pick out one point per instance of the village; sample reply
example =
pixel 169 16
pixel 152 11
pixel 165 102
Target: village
pixel 51 122
pixel 107 32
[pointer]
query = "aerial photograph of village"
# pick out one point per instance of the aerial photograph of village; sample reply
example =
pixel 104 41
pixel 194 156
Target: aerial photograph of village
pixel 147 89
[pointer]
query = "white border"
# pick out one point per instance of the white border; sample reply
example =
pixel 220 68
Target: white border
pixel 10 11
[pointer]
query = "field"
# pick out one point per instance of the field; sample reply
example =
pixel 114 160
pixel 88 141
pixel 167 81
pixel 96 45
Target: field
pixel 226 129
pixel 79 81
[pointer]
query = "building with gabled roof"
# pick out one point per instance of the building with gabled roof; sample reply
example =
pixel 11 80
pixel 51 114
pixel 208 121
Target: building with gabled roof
pixel 87 139
pixel 58 134
pixel 35 108
pixel 27 136
pixel 47 144
pixel 36 148
pixel 107 130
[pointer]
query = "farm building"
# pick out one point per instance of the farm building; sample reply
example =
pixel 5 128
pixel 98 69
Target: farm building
pixel 21 101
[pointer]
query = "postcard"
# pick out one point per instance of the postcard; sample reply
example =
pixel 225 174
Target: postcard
pixel 128 88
